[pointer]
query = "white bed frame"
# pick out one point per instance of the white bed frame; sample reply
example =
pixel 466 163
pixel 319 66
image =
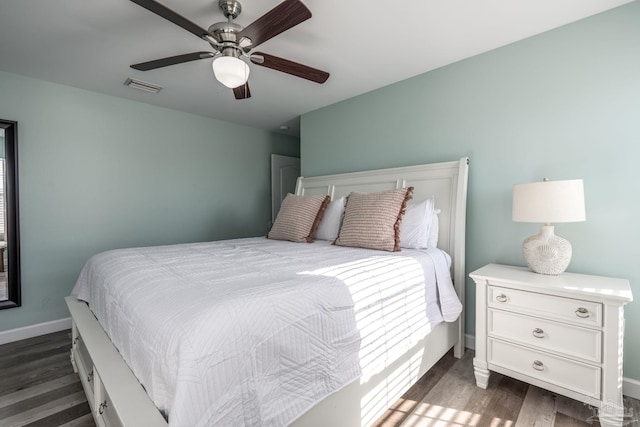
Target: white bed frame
pixel 117 399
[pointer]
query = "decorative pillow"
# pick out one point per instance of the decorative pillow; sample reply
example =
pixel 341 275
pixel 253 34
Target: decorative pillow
pixel 373 220
pixel 330 224
pixel 416 224
pixel 298 218
pixel 434 230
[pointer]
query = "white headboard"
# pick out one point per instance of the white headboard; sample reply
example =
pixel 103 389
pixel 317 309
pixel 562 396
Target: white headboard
pixel 446 181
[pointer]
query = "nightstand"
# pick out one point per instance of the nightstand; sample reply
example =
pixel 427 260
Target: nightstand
pixel 561 333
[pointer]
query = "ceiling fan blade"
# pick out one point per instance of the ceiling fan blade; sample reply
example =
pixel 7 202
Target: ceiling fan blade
pixel 172 16
pixel 242 92
pixel 171 60
pixel 287 14
pixel 290 67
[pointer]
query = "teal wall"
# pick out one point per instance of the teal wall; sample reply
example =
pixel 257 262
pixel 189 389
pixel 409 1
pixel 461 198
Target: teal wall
pixel 98 172
pixel 564 104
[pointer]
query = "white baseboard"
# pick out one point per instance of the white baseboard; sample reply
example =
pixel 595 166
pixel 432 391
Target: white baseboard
pixel 34 330
pixel 470 341
pixel 630 387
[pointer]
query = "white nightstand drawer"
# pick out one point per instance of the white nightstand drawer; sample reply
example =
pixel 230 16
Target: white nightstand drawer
pixel 576 311
pixel 570 340
pixel 576 376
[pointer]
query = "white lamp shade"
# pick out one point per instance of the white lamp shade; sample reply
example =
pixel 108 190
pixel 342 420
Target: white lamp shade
pixel 549 202
pixel 230 71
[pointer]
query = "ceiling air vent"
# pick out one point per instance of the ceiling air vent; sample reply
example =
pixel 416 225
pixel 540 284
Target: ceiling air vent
pixel 139 84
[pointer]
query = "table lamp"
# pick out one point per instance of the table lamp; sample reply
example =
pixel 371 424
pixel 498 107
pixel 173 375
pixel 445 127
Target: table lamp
pixel 548 202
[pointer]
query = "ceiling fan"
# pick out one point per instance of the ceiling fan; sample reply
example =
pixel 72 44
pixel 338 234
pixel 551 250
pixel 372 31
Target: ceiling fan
pixel 231 42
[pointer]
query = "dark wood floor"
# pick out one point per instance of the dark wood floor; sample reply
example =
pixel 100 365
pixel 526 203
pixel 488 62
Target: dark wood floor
pixel 38 388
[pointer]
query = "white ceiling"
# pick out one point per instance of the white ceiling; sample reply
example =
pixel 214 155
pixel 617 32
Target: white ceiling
pixel 364 44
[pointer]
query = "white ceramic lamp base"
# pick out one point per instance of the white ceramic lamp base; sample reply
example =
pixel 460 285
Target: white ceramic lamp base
pixel 546 253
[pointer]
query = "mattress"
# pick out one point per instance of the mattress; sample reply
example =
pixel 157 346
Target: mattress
pixel 253 332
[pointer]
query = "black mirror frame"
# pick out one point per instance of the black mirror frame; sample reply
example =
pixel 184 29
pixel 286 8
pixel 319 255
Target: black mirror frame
pixel 12 215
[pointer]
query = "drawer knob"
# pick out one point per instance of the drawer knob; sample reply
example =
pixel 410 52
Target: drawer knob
pixel 538 333
pixel 102 407
pixel 501 298
pixel 582 312
pixel 538 365
pixel 89 377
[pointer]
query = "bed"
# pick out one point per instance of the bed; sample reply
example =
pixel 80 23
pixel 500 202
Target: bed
pixel 346 379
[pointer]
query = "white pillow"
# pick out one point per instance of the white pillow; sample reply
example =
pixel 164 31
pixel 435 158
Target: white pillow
pixel 416 224
pixel 432 242
pixel 330 225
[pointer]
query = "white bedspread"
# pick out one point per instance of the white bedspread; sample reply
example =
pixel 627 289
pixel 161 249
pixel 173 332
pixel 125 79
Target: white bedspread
pixel 253 332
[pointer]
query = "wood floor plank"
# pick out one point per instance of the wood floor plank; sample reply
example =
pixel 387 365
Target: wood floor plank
pixel 505 405
pixel 35 414
pixel 428 415
pixel 65 416
pixel 39 400
pixel 83 421
pixel 445 403
pixel 456 386
pixel 538 409
pixel 16 378
pixel 632 411
pixel 401 409
pixel 431 378
pixel 480 398
pixel 29 364
pixel 32 362
pixel 36 352
pixel 26 344
pixel 563 420
pixel 38 389
pixel 575 409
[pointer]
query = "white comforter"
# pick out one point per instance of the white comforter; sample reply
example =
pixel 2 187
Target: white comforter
pixel 253 332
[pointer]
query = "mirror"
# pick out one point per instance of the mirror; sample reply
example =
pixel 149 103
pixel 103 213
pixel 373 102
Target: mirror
pixel 9 230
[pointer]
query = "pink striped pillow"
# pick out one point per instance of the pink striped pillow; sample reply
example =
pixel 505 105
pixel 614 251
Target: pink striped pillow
pixel 298 218
pixel 373 220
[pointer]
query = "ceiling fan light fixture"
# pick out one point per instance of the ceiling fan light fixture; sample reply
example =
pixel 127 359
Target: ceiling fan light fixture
pixel 232 43
pixel 230 71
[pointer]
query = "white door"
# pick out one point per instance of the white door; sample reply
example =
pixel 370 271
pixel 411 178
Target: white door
pixel 285 171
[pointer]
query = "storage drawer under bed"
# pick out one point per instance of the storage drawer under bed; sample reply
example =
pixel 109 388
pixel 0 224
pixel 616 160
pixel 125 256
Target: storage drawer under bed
pixel 113 392
pixel 105 414
pixel 84 366
pixel 97 396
